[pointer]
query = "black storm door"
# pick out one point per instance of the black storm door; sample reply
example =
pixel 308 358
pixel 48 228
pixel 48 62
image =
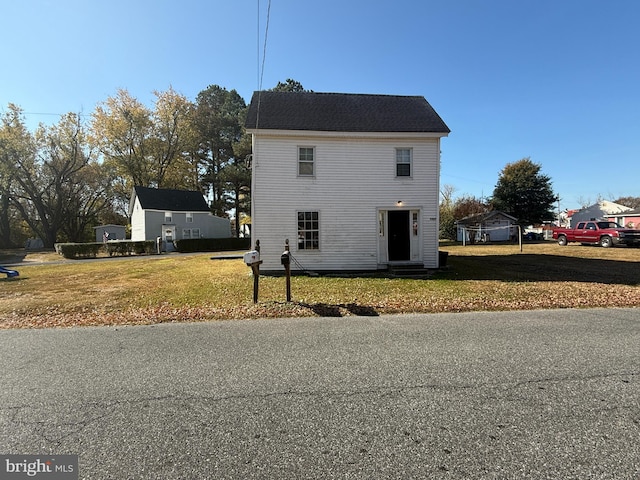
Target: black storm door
pixel 399 239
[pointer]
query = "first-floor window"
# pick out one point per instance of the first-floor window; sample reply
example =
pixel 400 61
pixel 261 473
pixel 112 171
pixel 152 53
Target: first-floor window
pixel 308 231
pixel 190 233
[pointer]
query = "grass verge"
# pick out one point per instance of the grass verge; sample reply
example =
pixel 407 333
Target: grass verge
pixel 192 288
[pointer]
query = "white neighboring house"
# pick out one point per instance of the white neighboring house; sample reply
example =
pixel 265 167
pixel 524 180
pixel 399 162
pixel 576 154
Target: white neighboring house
pixel 598 211
pixel 351 180
pixel 173 215
pixel 493 226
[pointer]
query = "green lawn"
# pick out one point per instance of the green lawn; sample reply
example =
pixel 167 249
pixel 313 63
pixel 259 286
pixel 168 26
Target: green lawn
pixel 188 288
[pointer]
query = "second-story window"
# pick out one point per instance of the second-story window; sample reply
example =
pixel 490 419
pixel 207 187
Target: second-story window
pixel 403 162
pixel 189 217
pixel 168 217
pixel 306 161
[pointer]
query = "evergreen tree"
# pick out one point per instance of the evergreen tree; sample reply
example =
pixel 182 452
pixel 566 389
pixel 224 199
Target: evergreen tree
pixel 524 192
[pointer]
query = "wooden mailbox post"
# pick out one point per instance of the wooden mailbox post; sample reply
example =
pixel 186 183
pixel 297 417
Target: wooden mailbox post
pixel 252 259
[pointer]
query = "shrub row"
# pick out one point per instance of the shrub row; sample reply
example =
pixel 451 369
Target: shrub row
pixel 212 244
pixel 127 247
pixel 91 250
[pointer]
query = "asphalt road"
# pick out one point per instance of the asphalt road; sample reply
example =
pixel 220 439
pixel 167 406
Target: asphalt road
pixel 549 394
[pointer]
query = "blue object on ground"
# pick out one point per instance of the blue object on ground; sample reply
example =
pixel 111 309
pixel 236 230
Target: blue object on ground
pixel 10 273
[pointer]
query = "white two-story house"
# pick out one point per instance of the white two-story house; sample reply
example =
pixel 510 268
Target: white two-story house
pixel 351 180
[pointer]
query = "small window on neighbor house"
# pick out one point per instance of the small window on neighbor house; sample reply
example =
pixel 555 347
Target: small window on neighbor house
pixel 190 233
pixel 403 162
pixel 168 217
pixel 306 157
pixel 189 217
pixel 308 231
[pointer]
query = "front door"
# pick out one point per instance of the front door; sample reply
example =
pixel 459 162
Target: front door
pixel 399 236
pixel 168 236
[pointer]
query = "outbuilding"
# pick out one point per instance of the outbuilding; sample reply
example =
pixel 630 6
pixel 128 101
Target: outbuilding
pixel 104 233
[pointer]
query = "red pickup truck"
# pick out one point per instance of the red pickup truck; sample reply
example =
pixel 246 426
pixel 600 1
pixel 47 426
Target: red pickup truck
pixel 603 233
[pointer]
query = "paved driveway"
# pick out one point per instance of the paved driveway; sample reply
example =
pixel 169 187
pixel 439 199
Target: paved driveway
pixel 550 394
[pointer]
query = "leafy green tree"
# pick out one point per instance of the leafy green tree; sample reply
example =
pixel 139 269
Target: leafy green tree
pixel 468 205
pixel 289 85
pixel 237 178
pixel 53 189
pixel 17 147
pixel 122 128
pixel 219 120
pixel 524 192
pixel 173 140
pixel 447 220
pixel 146 147
pixel 631 202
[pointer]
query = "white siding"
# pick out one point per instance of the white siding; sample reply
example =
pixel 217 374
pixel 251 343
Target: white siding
pixel 147 224
pixel 355 178
pixel 137 222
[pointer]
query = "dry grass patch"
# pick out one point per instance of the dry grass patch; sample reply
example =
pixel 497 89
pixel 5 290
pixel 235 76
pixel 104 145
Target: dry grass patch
pixel 190 288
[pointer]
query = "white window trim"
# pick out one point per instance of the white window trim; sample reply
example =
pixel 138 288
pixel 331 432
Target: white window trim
pixel 189 217
pixel 189 233
pixel 410 163
pixel 317 212
pixel 313 162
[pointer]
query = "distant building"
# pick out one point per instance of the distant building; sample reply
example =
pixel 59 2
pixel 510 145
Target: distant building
pixel 628 218
pixel 598 211
pixel 173 215
pixel 493 226
pixel 104 233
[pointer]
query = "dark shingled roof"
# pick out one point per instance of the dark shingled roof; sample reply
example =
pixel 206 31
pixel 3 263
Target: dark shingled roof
pixel 171 200
pixel 343 112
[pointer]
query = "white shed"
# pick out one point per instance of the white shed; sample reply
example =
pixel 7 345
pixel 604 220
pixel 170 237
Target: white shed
pixel 493 226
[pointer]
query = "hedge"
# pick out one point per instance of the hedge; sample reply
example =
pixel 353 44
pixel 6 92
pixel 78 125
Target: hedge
pixel 127 247
pixel 212 244
pixel 91 250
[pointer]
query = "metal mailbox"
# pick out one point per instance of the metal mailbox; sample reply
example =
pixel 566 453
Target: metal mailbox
pixel 251 257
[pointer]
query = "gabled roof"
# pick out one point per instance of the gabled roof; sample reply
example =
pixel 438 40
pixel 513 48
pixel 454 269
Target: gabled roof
pixel 626 213
pixel 342 112
pixel 169 200
pixel 605 207
pixel 483 217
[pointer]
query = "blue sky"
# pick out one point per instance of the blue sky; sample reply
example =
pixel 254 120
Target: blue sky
pixel 554 80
